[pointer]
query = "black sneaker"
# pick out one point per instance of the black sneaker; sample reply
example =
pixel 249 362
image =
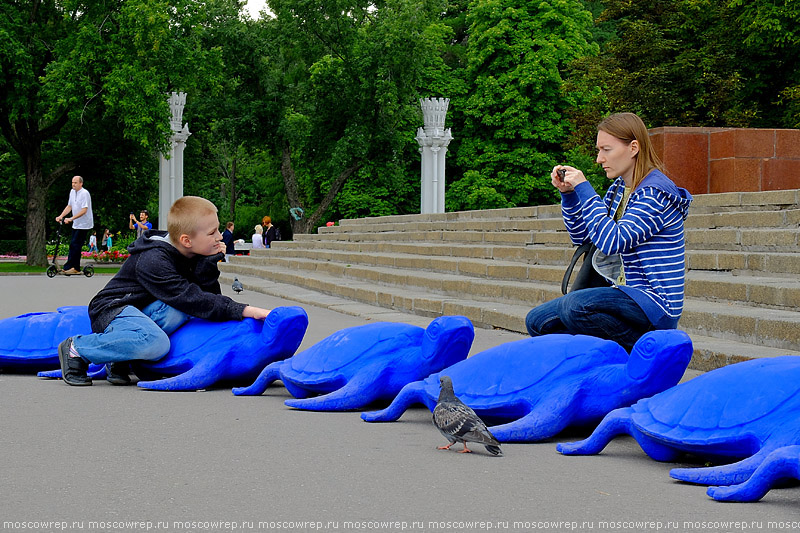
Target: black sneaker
pixel 118 373
pixel 73 369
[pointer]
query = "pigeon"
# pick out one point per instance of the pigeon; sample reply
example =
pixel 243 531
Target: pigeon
pixel 237 286
pixel 458 422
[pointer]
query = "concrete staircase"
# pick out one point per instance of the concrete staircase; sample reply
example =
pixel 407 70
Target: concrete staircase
pixel 742 290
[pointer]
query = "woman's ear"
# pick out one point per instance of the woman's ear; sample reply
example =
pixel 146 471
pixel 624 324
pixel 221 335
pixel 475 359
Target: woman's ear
pixel 634 147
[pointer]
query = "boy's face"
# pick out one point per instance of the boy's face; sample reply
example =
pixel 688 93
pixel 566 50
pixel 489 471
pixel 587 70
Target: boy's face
pixel 207 238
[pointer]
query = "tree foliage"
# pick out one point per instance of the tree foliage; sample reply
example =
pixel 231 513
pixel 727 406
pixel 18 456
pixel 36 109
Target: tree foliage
pixel 517 57
pixel 80 65
pixel 317 106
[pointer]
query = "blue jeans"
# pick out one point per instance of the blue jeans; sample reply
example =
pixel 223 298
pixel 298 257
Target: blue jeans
pixel 604 312
pixel 132 335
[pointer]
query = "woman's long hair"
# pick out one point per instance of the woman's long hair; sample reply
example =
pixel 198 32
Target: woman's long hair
pixel 629 127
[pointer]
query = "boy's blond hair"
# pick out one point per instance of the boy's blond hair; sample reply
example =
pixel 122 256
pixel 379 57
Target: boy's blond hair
pixel 184 216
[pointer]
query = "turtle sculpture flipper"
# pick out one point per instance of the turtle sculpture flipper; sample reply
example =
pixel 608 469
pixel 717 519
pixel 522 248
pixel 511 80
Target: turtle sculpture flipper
pixel 780 465
pixel 269 375
pixel 354 394
pixel 710 418
pixel 534 388
pixel 204 353
pixel 357 366
pixel 617 422
pixel 727 474
pixel 410 394
pixel 29 342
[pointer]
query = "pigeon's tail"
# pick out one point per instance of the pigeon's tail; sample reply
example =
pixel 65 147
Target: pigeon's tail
pixel 270 374
pixel 410 394
pixel 494 450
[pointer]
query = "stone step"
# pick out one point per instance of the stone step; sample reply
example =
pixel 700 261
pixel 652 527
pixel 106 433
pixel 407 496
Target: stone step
pixel 532 254
pixel 744 239
pixel 778 218
pixel 519 238
pixel 755 290
pixel 784 218
pixel 702 204
pixel 709 352
pixel 745 201
pixel 758 291
pixel 775 263
pixel 434 292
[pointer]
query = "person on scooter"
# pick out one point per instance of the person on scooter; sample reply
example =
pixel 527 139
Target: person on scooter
pixel 82 220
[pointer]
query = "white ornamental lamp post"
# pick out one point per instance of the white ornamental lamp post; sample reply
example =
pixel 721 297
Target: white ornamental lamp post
pixel 170 172
pixel 433 140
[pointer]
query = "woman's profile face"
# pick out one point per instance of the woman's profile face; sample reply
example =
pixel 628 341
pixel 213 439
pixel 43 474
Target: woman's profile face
pixel 617 157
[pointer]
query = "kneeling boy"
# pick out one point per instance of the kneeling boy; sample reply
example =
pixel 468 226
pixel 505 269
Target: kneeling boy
pixel 168 278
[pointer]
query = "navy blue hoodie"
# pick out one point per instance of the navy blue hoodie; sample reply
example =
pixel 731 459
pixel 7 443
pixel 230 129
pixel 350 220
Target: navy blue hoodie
pixel 156 270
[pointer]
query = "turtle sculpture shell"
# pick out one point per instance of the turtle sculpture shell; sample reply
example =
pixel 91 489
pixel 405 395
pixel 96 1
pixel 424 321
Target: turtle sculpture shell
pixel 742 412
pixel 360 365
pixel 29 342
pixel 534 388
pixel 204 353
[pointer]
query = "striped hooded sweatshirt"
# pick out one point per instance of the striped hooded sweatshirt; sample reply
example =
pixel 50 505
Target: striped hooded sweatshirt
pixel 649 239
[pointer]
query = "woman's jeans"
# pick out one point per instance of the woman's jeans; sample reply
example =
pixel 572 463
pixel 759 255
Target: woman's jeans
pixel 132 335
pixel 605 312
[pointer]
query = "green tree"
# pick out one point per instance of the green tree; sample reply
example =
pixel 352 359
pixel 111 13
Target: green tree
pixel 347 76
pixel 772 30
pixel 517 56
pixel 693 63
pixel 80 62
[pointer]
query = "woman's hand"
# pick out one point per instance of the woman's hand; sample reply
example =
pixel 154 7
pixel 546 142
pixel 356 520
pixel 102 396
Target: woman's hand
pixel 572 177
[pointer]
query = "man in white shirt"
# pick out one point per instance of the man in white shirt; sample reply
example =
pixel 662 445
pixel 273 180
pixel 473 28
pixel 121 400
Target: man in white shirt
pixel 82 220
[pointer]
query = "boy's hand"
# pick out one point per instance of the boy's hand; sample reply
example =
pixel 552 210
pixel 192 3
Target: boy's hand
pixel 255 312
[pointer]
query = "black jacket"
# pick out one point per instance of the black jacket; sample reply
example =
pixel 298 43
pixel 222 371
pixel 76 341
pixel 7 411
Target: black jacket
pixel 156 270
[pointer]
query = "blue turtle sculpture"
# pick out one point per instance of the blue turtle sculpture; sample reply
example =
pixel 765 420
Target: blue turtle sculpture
pixel 360 365
pixel 534 388
pixel 204 353
pixel 780 465
pixel 742 412
pixel 29 343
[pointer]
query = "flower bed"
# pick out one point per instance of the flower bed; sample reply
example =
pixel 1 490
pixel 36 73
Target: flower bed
pixel 114 256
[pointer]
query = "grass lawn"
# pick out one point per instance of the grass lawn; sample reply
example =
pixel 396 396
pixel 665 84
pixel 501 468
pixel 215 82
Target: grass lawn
pixel 14 266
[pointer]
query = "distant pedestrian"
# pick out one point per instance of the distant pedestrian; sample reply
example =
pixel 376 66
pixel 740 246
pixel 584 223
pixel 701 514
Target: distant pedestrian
pixel 82 220
pixel 93 243
pixel 227 238
pixel 270 231
pixel 258 237
pixel 142 224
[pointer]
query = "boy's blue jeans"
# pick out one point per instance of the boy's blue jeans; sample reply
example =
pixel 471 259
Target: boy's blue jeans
pixel 604 312
pixel 132 335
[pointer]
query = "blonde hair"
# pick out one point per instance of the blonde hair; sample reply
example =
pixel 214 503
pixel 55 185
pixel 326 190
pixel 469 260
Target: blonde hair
pixel 628 127
pixel 184 216
pixel 259 229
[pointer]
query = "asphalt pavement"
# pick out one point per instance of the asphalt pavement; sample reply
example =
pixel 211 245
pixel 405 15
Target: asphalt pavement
pixel 107 458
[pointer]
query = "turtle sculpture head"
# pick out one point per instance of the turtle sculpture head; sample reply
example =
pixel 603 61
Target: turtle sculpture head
pixel 660 357
pixel 445 342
